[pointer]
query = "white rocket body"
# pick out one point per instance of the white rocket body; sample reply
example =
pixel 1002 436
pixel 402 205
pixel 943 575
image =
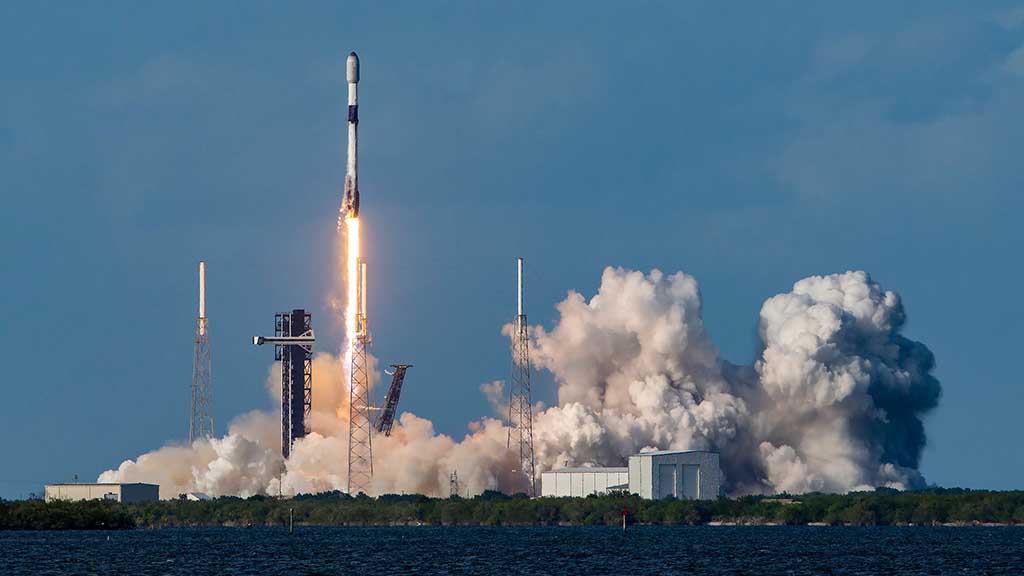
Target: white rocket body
pixel 350 203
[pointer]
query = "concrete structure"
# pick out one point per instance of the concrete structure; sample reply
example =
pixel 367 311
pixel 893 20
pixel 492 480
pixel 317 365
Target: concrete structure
pixel 118 492
pixel 580 482
pixel 689 474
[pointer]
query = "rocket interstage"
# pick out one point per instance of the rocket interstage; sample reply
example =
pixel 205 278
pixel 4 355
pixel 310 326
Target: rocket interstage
pixel 350 203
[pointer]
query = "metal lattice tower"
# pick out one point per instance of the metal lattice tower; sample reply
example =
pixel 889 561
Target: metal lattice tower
pixel 520 411
pixel 296 375
pixel 201 420
pixel 360 427
pixel 453 484
pixel 293 342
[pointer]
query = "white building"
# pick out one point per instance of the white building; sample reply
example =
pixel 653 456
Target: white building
pixel 117 492
pixel 689 474
pixel 580 482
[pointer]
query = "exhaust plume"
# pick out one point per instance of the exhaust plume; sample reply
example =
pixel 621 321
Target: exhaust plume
pixel 833 403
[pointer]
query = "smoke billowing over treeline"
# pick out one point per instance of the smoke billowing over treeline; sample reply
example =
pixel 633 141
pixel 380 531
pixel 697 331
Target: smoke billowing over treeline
pixel 833 403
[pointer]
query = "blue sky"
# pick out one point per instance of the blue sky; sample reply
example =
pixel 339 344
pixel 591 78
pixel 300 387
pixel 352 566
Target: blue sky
pixel 749 146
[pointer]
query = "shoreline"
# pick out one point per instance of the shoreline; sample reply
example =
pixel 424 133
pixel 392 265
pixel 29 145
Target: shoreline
pixel 883 507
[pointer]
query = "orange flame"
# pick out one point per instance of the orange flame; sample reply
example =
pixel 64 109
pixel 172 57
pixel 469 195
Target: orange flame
pixel 351 291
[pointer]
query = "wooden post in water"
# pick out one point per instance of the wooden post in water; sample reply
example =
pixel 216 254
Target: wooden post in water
pixel 625 513
pixel 291 520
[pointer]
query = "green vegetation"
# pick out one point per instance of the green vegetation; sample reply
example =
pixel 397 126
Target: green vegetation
pixel 91 515
pixel 881 507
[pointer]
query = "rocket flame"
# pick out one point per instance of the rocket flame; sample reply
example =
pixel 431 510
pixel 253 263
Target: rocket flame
pixel 351 291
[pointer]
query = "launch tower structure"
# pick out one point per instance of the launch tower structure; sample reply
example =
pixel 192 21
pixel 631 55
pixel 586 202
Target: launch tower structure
pixel 386 420
pixel 453 484
pixel 360 427
pixel 296 376
pixel 293 341
pixel 520 411
pixel 201 419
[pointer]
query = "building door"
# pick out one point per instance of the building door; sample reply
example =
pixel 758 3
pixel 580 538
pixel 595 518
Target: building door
pixel 667 481
pixel 691 481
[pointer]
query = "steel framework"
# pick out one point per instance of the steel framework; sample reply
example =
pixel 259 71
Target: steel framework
pixel 296 376
pixel 520 411
pixel 360 428
pixel 453 484
pixel 201 419
pixel 387 416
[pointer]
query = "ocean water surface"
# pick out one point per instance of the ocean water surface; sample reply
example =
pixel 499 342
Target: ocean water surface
pixel 519 550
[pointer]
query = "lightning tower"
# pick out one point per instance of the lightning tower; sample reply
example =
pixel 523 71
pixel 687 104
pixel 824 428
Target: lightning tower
pixel 360 448
pixel 201 420
pixel 520 412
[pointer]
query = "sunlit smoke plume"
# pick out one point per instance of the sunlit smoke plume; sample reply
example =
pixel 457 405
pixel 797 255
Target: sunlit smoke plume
pixel 834 401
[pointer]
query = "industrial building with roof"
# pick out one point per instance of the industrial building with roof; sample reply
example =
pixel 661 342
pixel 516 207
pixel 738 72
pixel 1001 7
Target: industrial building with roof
pixel 684 474
pixel 582 481
pixel 127 492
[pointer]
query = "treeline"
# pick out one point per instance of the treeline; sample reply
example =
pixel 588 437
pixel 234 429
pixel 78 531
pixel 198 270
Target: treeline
pixel 880 507
pixel 89 515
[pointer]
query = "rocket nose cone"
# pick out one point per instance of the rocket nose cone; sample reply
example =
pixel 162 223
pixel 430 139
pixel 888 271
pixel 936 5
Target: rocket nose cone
pixel 352 68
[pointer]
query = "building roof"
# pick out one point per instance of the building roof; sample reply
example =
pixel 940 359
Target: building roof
pixel 665 452
pixel 593 469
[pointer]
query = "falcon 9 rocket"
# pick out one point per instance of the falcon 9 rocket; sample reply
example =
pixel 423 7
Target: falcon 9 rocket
pixel 350 203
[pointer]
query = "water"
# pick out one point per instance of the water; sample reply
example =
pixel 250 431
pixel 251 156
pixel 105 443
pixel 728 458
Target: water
pixel 533 550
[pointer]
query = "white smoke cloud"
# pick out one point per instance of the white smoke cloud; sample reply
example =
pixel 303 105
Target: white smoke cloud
pixel 841 387
pixel 834 402
pixel 634 369
pixel 241 463
pixel 247 461
pixel 496 397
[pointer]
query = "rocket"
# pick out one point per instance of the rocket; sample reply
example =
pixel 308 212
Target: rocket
pixel 350 203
